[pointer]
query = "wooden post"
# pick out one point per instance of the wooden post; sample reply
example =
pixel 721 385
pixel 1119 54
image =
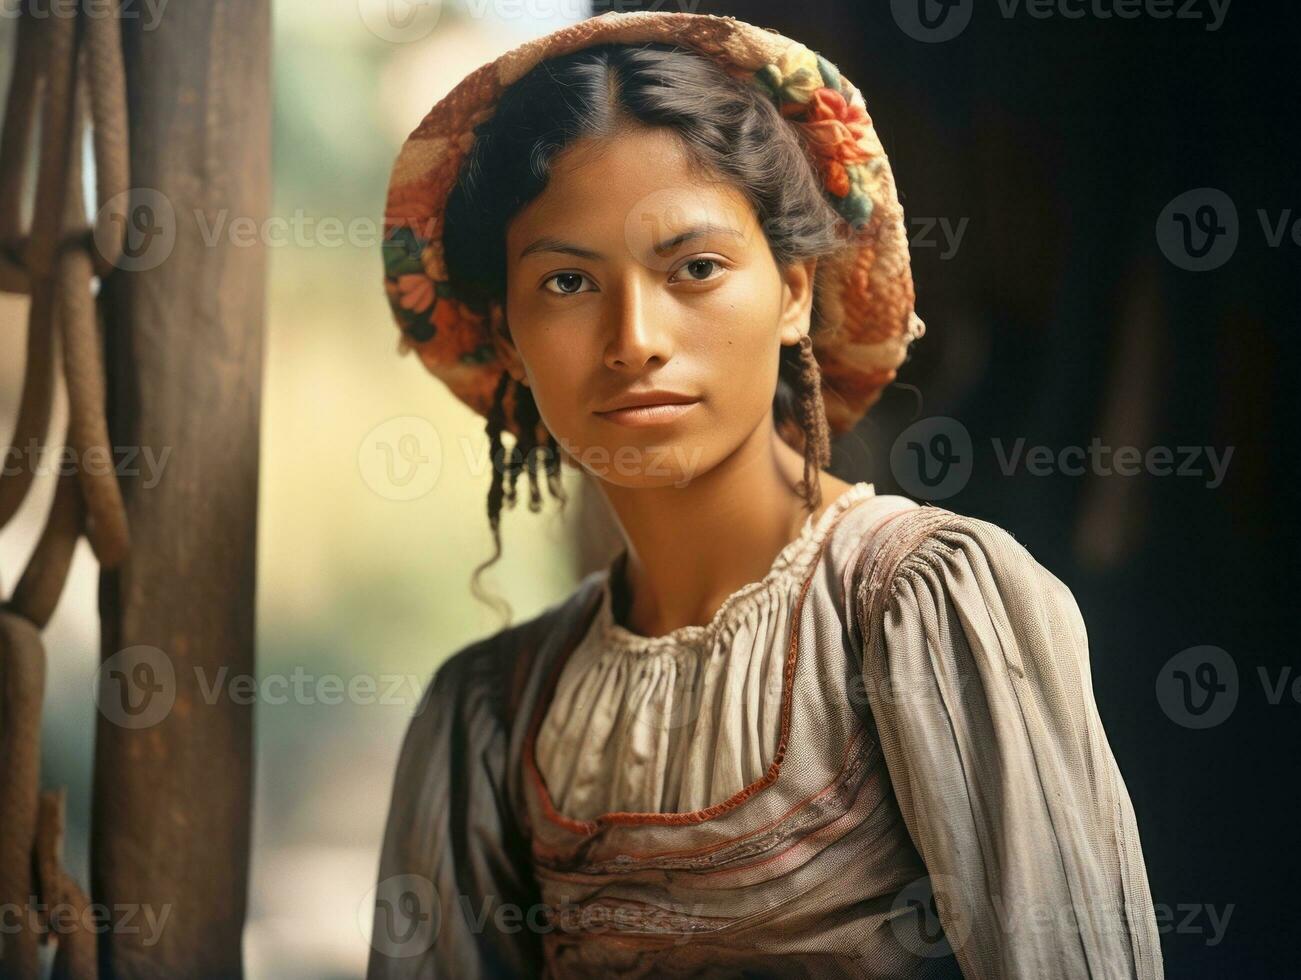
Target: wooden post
pixel 172 798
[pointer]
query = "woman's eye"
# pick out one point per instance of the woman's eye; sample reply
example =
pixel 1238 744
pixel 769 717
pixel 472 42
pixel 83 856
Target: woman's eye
pixel 700 270
pixel 566 283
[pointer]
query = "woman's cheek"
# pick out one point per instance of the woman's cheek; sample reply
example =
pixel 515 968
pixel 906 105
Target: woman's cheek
pixel 743 358
pixel 555 398
pixel 559 362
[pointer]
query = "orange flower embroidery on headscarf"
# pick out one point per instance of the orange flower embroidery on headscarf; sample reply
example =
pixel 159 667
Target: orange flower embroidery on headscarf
pixel 835 126
pixel 415 292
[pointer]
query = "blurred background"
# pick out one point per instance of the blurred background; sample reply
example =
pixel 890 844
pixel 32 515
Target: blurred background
pixel 1043 160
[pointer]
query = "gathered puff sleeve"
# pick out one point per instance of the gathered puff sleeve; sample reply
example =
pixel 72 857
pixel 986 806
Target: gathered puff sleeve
pixel 454 877
pixel 976 669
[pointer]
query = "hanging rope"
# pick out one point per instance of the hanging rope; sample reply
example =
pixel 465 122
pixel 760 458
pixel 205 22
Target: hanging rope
pixel 66 61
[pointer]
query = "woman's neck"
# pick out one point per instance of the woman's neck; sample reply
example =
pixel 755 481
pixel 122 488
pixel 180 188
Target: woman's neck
pixel 690 547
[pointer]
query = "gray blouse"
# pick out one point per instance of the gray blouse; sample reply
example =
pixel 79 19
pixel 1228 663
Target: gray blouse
pixel 883 759
pixel 684 720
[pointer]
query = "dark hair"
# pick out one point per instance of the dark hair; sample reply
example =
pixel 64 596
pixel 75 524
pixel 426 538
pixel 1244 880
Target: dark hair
pixel 728 127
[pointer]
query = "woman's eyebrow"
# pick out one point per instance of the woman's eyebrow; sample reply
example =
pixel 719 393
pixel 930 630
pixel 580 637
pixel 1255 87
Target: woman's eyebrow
pixel 699 231
pixel 548 244
pixel 556 245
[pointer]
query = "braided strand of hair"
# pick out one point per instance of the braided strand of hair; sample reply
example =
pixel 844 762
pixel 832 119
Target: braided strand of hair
pixel 529 446
pixel 812 416
pixel 496 425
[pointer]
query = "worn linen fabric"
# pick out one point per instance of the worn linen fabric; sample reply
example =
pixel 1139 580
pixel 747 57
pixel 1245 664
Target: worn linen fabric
pixel 684 720
pixel 939 799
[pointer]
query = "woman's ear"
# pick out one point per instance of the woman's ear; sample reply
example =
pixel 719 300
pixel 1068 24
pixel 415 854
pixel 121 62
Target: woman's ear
pixel 504 345
pixel 797 300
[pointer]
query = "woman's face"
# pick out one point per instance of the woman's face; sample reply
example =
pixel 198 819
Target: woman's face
pixel 645 311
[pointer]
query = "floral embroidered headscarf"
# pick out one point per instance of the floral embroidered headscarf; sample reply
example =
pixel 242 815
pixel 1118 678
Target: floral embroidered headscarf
pixel 864 291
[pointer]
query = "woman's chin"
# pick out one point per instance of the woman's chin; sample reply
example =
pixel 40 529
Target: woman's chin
pixel 642 463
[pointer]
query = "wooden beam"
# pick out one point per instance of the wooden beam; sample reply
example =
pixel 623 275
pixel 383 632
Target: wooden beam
pixel 172 798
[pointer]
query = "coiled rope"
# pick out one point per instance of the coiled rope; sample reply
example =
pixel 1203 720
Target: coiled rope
pixel 68 60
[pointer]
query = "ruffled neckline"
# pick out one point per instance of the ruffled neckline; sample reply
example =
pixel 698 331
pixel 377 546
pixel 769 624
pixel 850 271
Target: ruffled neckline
pixel 791 563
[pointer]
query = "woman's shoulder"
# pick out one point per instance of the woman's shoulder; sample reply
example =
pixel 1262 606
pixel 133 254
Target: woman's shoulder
pixel 895 546
pixel 892 530
pixel 467 709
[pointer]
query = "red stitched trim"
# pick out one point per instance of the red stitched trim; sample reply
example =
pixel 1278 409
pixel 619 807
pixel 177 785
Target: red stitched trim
pixel 863 736
pixel 625 818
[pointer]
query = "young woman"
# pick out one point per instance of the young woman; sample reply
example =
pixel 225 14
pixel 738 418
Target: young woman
pixel 796 728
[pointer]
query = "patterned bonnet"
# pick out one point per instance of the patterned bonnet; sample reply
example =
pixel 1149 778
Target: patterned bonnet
pixel 864 291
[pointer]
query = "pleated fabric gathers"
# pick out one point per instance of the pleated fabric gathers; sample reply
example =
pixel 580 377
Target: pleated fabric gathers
pixel 680 721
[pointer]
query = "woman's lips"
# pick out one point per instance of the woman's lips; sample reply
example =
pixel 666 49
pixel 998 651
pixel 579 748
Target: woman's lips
pixel 652 414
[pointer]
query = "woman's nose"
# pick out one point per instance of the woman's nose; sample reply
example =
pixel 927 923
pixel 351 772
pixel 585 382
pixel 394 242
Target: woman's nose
pixel 637 335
